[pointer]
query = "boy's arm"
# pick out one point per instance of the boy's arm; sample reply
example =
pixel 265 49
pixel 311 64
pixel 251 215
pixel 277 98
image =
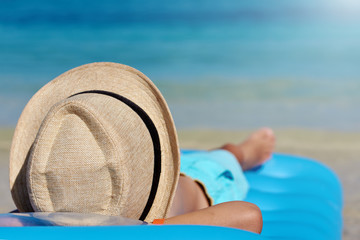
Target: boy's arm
pixel 237 214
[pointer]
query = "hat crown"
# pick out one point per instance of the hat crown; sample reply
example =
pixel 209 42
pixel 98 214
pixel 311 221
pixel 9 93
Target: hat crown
pixel 76 145
pixel 116 80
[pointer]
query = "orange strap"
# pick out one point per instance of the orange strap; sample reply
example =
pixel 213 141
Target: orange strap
pixel 159 221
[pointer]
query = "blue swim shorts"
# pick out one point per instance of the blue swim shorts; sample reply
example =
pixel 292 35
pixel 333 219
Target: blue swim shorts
pixel 218 172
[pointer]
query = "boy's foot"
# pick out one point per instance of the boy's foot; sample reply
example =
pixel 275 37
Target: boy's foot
pixel 255 150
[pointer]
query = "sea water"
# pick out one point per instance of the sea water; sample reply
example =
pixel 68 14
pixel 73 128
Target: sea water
pixel 220 64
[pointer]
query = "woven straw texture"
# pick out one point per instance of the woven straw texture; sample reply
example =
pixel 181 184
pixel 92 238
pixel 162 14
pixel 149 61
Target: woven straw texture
pixel 92 153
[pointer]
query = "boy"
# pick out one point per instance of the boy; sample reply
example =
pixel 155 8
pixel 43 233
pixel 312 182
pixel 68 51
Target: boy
pixel 100 139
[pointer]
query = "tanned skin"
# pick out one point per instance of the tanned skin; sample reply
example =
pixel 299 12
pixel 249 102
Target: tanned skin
pixel 190 205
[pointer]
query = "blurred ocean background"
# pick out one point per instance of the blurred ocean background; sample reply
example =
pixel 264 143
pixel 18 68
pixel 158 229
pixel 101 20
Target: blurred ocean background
pixel 226 64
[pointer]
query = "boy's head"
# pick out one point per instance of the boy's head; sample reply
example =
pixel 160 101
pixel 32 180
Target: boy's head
pixel 97 139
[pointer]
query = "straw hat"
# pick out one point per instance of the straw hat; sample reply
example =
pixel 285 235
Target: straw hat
pixel 97 139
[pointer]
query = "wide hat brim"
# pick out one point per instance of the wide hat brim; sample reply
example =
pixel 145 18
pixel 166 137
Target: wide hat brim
pixel 108 77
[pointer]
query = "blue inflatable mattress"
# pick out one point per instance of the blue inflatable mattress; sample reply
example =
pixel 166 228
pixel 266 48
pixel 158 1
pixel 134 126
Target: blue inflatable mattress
pixel 299 199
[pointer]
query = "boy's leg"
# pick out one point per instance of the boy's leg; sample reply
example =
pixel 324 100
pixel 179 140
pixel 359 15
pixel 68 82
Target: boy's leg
pixel 188 197
pixel 255 150
pixel 186 209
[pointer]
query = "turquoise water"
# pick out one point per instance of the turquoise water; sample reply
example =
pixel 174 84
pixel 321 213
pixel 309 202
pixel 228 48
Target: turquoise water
pixel 220 64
